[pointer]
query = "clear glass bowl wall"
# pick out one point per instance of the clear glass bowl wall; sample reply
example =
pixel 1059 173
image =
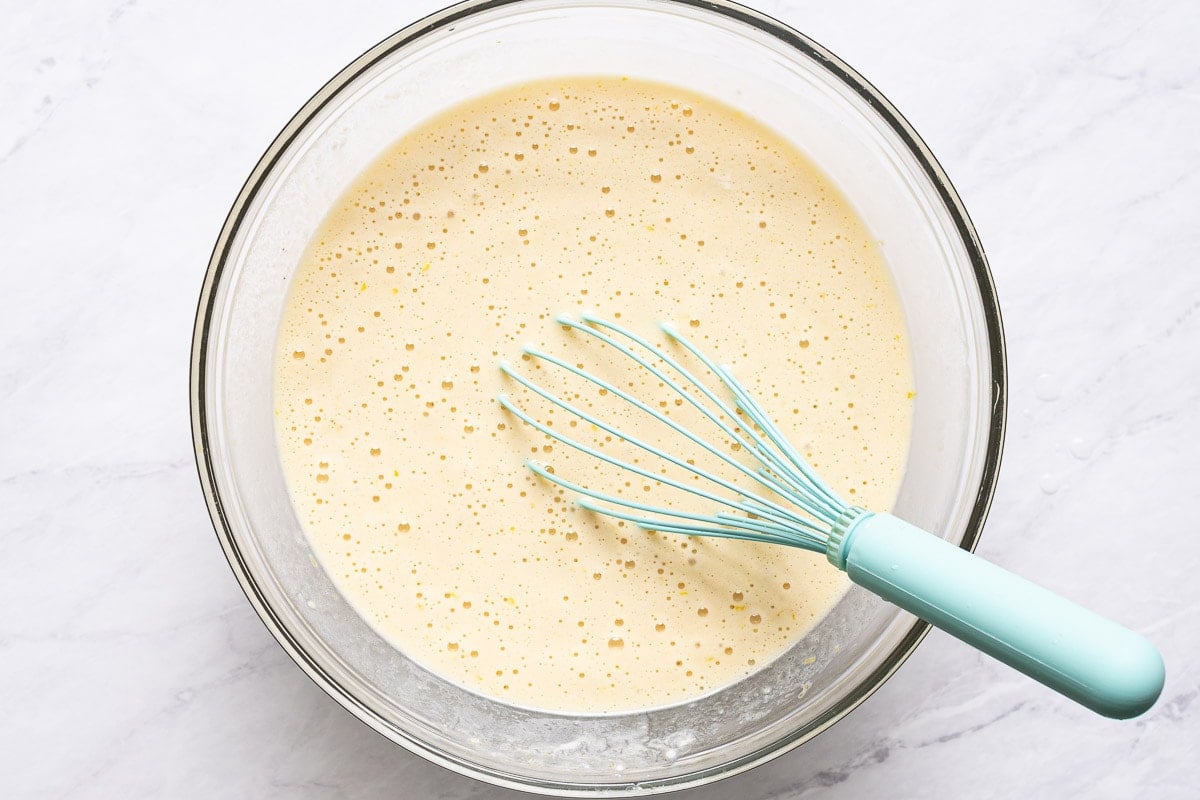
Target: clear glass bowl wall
pixel 751 63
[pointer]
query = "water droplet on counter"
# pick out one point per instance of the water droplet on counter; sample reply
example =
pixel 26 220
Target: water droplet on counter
pixel 1049 483
pixel 1082 447
pixel 1046 388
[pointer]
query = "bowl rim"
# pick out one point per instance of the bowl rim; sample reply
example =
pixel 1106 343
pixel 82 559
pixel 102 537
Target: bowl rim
pixel 199 411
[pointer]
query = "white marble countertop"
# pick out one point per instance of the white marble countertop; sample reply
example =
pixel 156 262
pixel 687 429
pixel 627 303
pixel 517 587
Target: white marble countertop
pixel 132 666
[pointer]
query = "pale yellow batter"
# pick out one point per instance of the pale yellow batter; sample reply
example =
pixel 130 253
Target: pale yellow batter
pixel 639 202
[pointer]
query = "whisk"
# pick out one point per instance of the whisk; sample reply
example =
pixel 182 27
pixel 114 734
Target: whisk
pixel 1085 657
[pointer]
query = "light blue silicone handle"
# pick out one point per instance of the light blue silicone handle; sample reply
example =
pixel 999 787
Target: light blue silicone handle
pixel 1085 657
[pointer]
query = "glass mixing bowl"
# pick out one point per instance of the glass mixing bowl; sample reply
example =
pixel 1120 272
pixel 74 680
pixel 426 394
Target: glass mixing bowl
pixel 752 63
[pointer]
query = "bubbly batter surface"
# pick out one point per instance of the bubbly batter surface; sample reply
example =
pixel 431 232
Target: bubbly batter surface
pixel 458 246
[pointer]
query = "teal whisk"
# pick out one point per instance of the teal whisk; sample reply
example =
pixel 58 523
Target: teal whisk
pixel 1085 657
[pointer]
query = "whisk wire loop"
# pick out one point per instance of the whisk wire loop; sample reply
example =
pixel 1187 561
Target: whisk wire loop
pixel 752 409
pixel 782 470
pixel 828 505
pixel 732 433
pixel 807 476
pixel 771 509
pixel 641 406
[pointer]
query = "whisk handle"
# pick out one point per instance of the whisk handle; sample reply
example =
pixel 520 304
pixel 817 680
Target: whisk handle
pixel 1092 660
